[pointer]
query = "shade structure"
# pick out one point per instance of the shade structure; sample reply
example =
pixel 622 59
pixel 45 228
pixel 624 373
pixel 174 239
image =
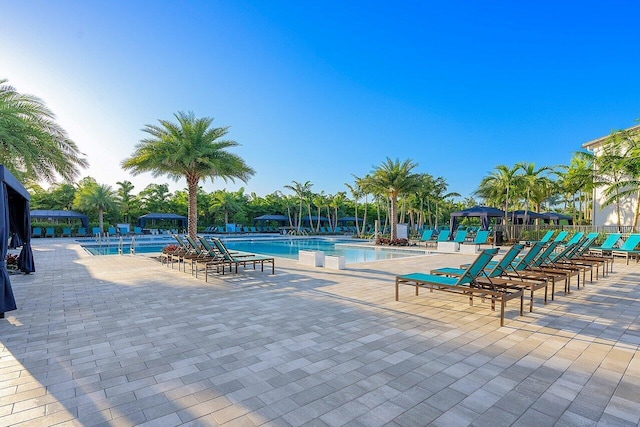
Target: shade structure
pixel 311 219
pixel 59 214
pixel 15 221
pixel 523 217
pixel 346 219
pixel 485 213
pixel 179 219
pixel 263 218
pixel 555 217
pixel 280 219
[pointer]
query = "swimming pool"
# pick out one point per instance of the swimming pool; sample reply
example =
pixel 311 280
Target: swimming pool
pixel 353 250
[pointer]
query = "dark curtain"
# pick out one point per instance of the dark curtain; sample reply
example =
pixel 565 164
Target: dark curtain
pixel 25 262
pixel 485 222
pixel 453 223
pixel 21 231
pixel 7 301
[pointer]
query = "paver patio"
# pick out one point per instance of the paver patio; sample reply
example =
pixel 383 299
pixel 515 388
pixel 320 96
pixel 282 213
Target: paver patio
pixel 122 340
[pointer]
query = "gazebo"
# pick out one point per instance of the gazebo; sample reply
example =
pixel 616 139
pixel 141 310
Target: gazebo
pixel 281 219
pixel 518 217
pixel 15 221
pixel 59 214
pixel 554 217
pixel 309 220
pixel 178 219
pixel 346 219
pixel 485 214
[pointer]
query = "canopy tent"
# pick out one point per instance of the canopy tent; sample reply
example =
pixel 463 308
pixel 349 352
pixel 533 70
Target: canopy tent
pixel 179 219
pixel 485 214
pixel 15 222
pixel 59 214
pixel 518 217
pixel 311 219
pixel 353 219
pixel 555 217
pixel 282 219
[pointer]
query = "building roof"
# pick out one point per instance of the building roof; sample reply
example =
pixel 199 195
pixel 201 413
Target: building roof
pixel 599 141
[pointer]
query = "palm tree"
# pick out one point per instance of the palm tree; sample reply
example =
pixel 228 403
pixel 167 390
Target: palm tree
pixel 32 145
pixel 319 200
pixel 357 193
pixel 619 171
pixel 532 179
pixel 226 202
pixel 98 197
pixel 125 198
pixel 302 191
pixel 336 201
pixel 497 186
pixel 578 180
pixel 394 179
pixel 189 149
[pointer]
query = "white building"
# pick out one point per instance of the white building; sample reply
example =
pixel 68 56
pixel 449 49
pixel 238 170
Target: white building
pixel 606 215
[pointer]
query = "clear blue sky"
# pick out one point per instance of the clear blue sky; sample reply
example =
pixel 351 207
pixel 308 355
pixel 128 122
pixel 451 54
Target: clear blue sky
pixel 319 91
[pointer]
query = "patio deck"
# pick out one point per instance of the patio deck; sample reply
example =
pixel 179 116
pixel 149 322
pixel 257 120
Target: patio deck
pixel 122 340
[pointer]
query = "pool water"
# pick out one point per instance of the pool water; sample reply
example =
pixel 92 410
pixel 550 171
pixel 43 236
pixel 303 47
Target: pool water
pixel 352 250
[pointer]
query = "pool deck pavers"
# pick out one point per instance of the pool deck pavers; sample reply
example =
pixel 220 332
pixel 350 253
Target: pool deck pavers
pixel 122 340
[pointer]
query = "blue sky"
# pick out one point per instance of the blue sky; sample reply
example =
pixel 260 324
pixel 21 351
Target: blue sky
pixel 318 91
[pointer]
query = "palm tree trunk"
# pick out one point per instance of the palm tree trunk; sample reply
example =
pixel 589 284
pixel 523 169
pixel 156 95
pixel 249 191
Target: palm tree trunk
pixel 101 219
pixel 393 218
pixel 192 214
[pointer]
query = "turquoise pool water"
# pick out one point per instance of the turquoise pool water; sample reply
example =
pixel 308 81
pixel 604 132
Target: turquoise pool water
pixel 352 250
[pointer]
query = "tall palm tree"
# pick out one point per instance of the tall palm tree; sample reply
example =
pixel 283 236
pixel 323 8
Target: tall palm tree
pixel 125 198
pixel 189 149
pixel 531 180
pixel 32 145
pixel 619 170
pixel 226 202
pixel 357 193
pixel 98 197
pixel 498 186
pixel 395 178
pixel 319 201
pixel 302 190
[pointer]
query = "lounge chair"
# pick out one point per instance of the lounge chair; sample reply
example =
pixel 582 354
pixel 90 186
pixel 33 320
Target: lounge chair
pixel 112 231
pixel 519 269
pixel 603 252
pixel 82 232
pixel 96 231
pixel 577 257
pixel 561 236
pixel 574 239
pixel 37 232
pixel 544 263
pixel 137 230
pixel 244 259
pixel 481 238
pixel 628 248
pixel 607 246
pixel 498 275
pixel 66 232
pixel 50 232
pixel 443 236
pixel 453 246
pixel 467 284
pixel 426 237
pixel 544 239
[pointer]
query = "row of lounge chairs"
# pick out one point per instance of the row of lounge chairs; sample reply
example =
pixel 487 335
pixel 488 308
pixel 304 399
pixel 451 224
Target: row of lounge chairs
pixel 546 263
pixel 430 239
pixel 83 232
pixel 267 229
pixel 210 255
